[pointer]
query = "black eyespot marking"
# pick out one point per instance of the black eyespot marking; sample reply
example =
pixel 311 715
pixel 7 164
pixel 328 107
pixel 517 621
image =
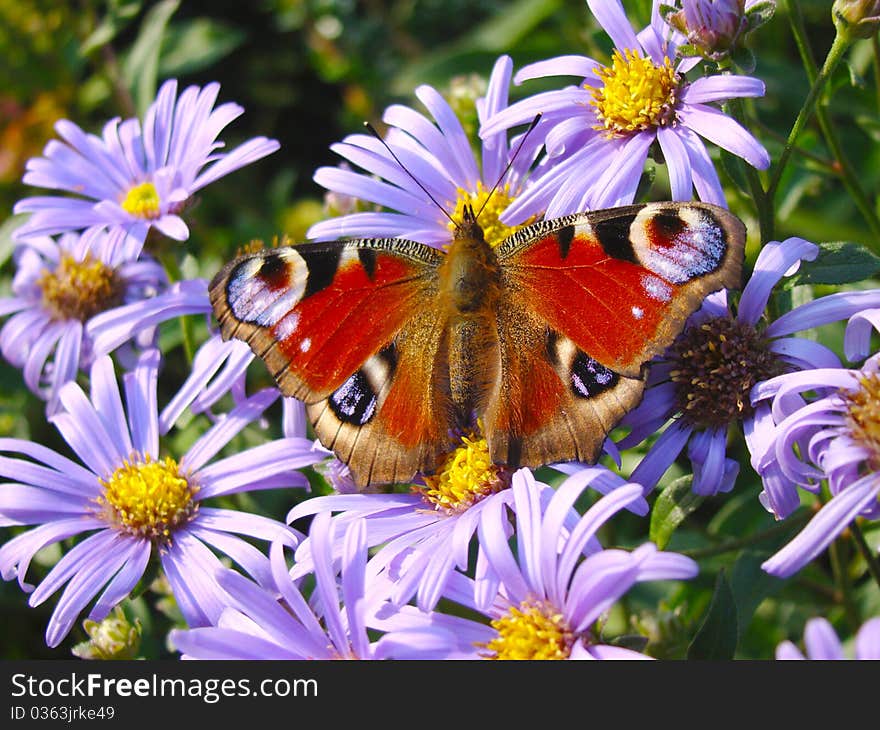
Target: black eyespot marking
pixel 322 268
pixel 274 271
pixel 367 257
pixel 565 236
pixel 355 400
pixel 589 377
pixel 614 236
pixel 552 354
pixel 389 357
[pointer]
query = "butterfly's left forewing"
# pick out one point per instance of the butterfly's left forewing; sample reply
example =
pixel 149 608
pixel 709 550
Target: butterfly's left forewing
pixel 348 327
pixel 587 301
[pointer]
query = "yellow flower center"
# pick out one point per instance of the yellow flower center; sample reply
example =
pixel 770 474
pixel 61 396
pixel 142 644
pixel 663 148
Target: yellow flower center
pixel 494 230
pixel 80 289
pixel 635 94
pixel 863 416
pixel 148 498
pixel 142 201
pixel 467 476
pixel 534 630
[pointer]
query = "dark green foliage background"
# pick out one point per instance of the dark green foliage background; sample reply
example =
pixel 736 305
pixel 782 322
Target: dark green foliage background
pixel 308 73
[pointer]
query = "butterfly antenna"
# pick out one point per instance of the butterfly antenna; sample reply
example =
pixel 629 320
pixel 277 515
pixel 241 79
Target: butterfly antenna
pixel 373 131
pixel 510 163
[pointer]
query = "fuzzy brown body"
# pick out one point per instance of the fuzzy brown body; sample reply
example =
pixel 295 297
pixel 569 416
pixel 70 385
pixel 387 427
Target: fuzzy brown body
pixel 395 347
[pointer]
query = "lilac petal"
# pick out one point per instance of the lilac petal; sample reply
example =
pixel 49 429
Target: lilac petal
pixel 721 88
pixel 728 134
pixel 212 643
pixel 140 400
pixel 365 504
pixel 110 329
pixel 10 305
pixel 190 568
pixel 527 507
pixel 787 651
pixel 571 65
pixel 83 586
pixel 805 354
pixel 664 451
pixel 322 539
pixel 828 523
pixel 137 556
pixel 354 559
pixel 592 520
pixel 251 151
pixel 21 504
pixel 67 356
pixel 830 308
pixel 108 404
pixel 85 432
pixel 657 406
pixel 434 578
pixel 36 475
pixel 868 640
pixel 251 560
pixel 83 477
pixel 360 186
pixel 419 644
pixel 706 452
pixel 208 360
pixel 369 225
pixel 617 185
pixel 173 227
pixel 571 98
pixel 820 640
pixel 605 652
pixel 223 431
pixel 453 132
pixel 40 350
pixel 857 340
pixel 665 566
pixel 598 582
pixel 772 264
pixel 678 163
pixel 613 20
pixel 493 542
pixel 94 548
pixel 17 553
pixel 235 473
pixel 244 523
pixel 293 418
pixel 290 594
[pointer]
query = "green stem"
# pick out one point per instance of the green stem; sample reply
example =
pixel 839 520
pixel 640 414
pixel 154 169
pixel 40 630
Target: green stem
pixel 842 582
pixel 794 522
pixel 763 203
pixel 835 54
pixel 875 47
pixel 865 549
pixel 172 268
pixel 844 169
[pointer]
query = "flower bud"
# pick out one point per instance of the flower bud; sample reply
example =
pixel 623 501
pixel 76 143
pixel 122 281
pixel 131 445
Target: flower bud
pixel 856 18
pixel 113 638
pixel 716 28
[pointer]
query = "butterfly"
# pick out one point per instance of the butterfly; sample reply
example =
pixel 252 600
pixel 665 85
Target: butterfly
pixel 395 347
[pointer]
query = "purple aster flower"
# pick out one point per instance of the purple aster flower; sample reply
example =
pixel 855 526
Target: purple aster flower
pixel 440 157
pixel 705 379
pixel 426 535
pixel 544 598
pixel 133 176
pixel 822 643
pixel 834 437
pixel 138 502
pixel 257 625
pixel 63 289
pixel 610 120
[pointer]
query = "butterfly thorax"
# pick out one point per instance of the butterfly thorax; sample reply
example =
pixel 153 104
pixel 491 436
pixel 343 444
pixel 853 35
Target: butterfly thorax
pixel 469 281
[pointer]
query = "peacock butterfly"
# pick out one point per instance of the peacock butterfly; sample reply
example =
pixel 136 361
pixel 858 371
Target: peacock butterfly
pixel 395 346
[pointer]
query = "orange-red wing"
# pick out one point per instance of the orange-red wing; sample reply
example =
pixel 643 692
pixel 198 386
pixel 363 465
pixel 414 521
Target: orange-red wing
pixel 620 283
pixel 317 312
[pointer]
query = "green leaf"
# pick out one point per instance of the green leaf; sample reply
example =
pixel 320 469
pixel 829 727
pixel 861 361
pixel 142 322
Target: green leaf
pixel 744 59
pixel 750 586
pixel 718 636
pixel 675 503
pixel 838 262
pixel 141 69
pixel 193 45
pixel 736 171
pixel 6 230
pixel 119 14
